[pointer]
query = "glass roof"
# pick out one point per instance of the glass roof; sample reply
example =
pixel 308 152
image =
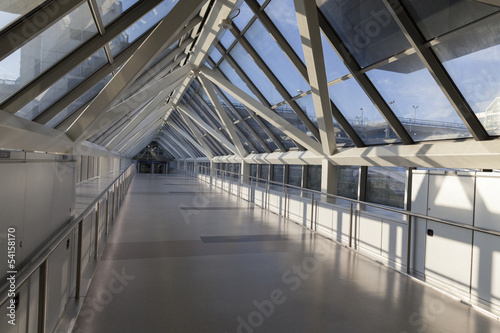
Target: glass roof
pixel 386 91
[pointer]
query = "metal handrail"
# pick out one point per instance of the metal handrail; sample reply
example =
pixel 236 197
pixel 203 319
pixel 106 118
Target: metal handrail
pixel 42 256
pixel 410 215
pixel 390 209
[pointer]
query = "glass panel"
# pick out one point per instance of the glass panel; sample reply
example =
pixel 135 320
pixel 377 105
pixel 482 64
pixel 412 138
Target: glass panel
pixel 242 111
pixel 194 106
pixel 334 66
pixel 286 112
pixel 260 132
pixel 341 137
pixel 278 173
pixel 274 57
pixel 127 37
pixel 234 78
pixel 244 16
pixel 295 175
pixel 435 18
pixel 45 50
pixel 208 113
pixel 306 103
pixel 282 13
pixel 215 55
pixel 63 86
pixel 112 9
pixel 386 186
pixel 250 138
pixel 361 113
pixel 314 177
pixel 253 170
pixel 256 75
pixel 417 100
pixel 227 39
pixel 347 181
pixel 366 28
pixel 61 116
pixel 10 10
pixel 473 62
pixel 264 174
pixel 245 143
pixel 282 137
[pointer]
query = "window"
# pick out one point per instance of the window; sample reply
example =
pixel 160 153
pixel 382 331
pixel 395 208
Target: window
pixel 295 175
pixel 347 181
pixel 314 177
pixel 264 174
pixel 253 170
pixel 278 173
pixel 386 186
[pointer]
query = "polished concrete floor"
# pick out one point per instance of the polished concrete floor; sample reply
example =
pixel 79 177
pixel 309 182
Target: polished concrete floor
pixel 186 257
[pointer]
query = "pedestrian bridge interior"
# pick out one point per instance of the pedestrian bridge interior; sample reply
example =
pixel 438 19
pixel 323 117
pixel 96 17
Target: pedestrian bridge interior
pixel 250 166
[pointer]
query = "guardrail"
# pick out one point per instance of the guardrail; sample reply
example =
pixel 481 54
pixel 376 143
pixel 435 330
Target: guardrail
pixel 354 205
pixel 40 260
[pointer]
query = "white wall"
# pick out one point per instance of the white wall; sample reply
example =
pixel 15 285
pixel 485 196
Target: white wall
pixel 37 198
pixel 463 261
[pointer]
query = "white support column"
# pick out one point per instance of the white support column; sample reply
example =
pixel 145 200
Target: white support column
pixel 329 173
pixel 307 17
pixel 245 171
pixel 266 113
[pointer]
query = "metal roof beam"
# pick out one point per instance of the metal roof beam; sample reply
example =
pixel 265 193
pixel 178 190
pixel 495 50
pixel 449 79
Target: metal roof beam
pixel 221 112
pixel 218 136
pixel 266 113
pixel 165 33
pixel 65 65
pixel 257 93
pixel 363 81
pixel 307 18
pixel 276 83
pixel 437 70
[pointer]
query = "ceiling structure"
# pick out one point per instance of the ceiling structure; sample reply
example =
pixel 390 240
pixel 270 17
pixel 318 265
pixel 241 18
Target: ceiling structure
pixel 359 82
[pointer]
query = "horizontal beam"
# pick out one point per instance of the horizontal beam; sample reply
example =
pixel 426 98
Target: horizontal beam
pixel 467 154
pixel 19 133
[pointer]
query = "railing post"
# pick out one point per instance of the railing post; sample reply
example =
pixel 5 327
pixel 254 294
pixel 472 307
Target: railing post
pixel 312 209
pixel 239 185
pixel 114 199
pixel 350 224
pixel 79 259
pixel 96 235
pixel 252 198
pixel 230 182
pixel 285 213
pixel 408 249
pixel 107 212
pixel 266 195
pixel 42 296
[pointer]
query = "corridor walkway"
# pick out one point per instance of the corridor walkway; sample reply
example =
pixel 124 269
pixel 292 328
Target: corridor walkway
pixel 186 257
